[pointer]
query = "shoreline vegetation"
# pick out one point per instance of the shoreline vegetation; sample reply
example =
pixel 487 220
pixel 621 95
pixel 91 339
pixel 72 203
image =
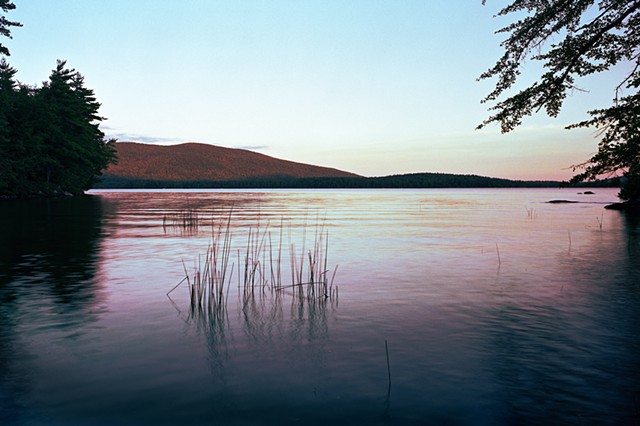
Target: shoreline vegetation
pixel 409 181
pixel 404 181
pixel 401 181
pixel 259 268
pixel 50 140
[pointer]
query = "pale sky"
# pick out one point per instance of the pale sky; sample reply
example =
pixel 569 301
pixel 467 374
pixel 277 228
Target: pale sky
pixel 375 87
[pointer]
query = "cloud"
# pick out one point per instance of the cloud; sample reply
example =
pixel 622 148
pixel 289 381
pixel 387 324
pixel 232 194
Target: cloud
pixel 253 147
pixel 132 137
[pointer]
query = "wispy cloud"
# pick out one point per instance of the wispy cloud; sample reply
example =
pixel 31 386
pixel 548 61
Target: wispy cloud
pixel 253 147
pixel 132 137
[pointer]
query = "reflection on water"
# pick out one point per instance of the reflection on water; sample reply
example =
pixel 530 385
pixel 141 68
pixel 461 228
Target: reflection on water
pixel 264 321
pixel 574 359
pixel 51 244
pixel 498 309
pixel 48 282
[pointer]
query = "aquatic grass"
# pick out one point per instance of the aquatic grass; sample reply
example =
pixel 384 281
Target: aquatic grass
pixel 186 220
pixel 210 281
pixel 600 221
pixel 276 274
pixel 315 263
pixel 531 213
pixel 254 260
pixel 386 348
pixel 309 268
pixel 261 258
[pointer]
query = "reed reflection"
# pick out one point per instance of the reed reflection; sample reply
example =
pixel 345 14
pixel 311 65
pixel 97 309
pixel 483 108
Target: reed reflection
pixel 262 288
pixel 264 320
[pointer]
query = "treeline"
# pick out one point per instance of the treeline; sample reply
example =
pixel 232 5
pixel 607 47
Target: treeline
pixel 50 142
pixel 416 180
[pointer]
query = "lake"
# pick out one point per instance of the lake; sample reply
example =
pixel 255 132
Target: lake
pixel 455 307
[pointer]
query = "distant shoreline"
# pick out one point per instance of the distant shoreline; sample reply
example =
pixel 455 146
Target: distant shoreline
pixel 414 180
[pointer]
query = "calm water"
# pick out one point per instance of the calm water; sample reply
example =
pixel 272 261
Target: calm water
pixel 498 309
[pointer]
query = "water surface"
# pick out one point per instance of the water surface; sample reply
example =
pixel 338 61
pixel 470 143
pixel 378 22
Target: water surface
pixel 497 308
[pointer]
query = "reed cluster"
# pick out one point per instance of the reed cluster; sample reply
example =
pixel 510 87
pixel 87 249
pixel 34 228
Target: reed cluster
pixel 531 213
pixel 309 268
pixel 261 261
pixel 210 281
pixel 186 219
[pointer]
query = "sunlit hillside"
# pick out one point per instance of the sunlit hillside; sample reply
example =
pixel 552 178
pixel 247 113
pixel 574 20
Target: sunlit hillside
pixel 196 161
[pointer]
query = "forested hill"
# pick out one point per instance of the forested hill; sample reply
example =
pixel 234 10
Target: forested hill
pixel 195 165
pixel 415 180
pixel 202 162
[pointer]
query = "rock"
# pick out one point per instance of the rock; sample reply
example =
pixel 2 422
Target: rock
pixel 631 206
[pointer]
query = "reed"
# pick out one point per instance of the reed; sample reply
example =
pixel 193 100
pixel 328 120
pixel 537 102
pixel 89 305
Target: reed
pixel 600 221
pixel 386 348
pixel 255 260
pixel 261 258
pixel 210 280
pixel 186 220
pixel 531 214
pixel 276 273
pixel 309 269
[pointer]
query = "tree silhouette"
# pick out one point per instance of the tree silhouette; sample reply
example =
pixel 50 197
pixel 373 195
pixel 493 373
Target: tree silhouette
pixel 74 147
pixel 5 25
pixel 574 39
pixel 50 140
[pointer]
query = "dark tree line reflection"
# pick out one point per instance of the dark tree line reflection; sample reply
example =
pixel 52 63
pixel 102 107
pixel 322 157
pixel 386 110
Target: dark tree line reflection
pixel 49 259
pixel 52 244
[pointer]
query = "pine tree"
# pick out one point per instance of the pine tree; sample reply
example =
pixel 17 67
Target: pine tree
pixel 5 24
pixel 75 152
pixel 7 100
pixel 50 140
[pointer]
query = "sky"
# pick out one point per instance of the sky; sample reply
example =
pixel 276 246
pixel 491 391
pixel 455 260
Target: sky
pixel 374 87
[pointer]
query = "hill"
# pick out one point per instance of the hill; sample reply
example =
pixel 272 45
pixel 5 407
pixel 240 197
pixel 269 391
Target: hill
pixel 202 162
pixel 194 165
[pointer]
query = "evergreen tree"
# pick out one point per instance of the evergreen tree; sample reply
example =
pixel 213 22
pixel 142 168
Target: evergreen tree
pixel 75 152
pixel 50 140
pixel 5 25
pixel 7 99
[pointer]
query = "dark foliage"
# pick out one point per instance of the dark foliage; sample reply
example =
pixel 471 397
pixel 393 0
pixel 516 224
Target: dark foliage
pixel 5 24
pixel 417 180
pixel 50 142
pixel 585 37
